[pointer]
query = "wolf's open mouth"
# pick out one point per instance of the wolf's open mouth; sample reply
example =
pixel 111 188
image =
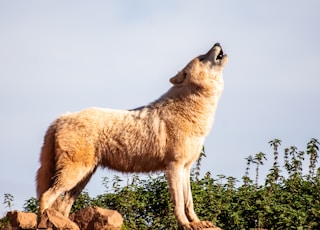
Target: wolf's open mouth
pixel 220 55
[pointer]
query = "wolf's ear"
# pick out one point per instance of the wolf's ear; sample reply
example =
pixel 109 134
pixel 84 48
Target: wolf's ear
pixel 179 78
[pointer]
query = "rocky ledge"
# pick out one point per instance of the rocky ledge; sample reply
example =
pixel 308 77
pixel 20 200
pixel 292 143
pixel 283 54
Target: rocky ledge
pixel 91 218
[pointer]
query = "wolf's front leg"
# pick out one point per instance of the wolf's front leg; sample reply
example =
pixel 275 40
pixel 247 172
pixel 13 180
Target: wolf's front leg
pixel 175 177
pixel 194 223
pixel 188 201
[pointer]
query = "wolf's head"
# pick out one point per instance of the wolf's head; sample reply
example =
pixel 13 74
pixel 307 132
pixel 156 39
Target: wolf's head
pixel 202 69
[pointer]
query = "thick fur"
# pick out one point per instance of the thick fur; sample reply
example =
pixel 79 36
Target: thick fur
pixel 167 134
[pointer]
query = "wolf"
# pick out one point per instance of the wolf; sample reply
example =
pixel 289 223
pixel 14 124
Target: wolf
pixel 165 135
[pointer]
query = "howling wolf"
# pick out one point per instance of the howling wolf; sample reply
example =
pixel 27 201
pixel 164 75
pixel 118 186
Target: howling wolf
pixel 167 134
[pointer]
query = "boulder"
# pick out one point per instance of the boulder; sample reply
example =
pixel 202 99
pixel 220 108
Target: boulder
pixel 22 220
pixel 95 218
pixel 51 219
pixel 91 218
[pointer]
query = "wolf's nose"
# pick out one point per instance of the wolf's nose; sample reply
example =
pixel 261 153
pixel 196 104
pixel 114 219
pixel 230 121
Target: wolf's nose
pixel 217 44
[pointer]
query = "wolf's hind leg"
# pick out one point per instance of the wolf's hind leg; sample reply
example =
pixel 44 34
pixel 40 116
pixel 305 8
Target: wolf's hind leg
pixel 69 198
pixel 66 179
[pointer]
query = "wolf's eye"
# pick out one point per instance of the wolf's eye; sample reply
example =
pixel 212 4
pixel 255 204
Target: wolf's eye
pixel 185 74
pixel 201 58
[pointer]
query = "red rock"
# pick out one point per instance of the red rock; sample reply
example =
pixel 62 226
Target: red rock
pixel 95 218
pixel 51 219
pixel 23 220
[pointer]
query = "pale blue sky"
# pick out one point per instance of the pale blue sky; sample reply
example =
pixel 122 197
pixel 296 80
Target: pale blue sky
pixel 63 56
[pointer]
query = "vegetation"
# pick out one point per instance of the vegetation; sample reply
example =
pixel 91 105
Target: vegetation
pixel 288 199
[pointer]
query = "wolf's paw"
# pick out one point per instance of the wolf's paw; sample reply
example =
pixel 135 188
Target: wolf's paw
pixel 199 225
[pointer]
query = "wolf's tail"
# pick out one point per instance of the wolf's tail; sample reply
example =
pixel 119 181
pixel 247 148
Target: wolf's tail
pixel 46 172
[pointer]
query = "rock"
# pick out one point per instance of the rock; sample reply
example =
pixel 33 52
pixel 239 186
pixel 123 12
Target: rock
pixel 199 225
pixel 22 220
pixel 91 218
pixel 51 219
pixel 213 228
pixel 95 218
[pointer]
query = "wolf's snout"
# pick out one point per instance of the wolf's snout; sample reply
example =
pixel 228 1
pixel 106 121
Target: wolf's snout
pixel 215 55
